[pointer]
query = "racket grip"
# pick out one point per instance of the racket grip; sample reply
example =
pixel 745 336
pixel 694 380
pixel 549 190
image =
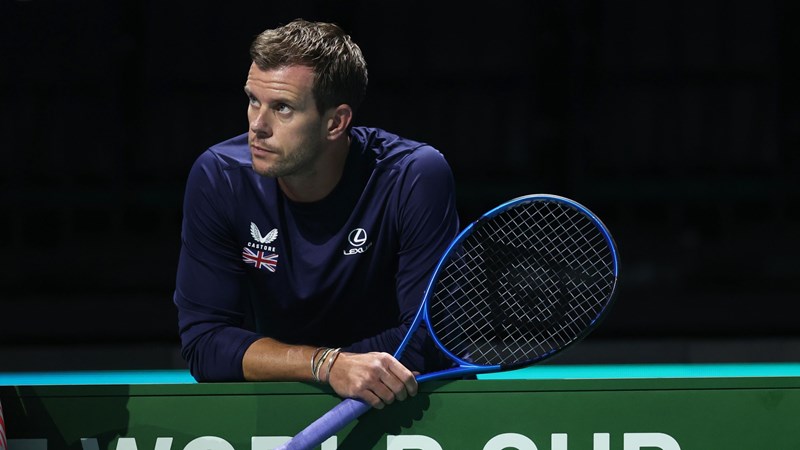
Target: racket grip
pixel 327 425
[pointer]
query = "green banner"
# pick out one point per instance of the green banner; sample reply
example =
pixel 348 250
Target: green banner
pixel 590 414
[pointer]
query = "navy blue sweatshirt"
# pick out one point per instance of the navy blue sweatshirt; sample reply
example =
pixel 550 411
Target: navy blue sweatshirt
pixel 347 271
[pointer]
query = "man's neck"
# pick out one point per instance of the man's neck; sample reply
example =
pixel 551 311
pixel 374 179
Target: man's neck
pixel 317 184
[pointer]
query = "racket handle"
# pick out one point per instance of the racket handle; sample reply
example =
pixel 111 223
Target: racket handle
pixel 327 425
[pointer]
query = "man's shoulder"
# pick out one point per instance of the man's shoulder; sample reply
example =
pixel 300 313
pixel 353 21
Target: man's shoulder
pixel 232 153
pixel 392 149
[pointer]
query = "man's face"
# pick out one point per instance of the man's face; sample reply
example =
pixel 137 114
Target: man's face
pixel 286 131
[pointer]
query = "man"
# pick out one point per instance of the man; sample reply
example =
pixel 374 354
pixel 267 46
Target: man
pixel 308 242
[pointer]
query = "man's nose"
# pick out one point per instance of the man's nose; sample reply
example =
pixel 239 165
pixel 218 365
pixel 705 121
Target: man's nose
pixel 259 123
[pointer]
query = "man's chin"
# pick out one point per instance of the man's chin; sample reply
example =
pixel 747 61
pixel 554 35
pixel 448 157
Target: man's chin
pixel 262 170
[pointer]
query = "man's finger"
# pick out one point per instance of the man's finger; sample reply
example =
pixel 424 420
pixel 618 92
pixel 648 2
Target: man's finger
pixel 406 377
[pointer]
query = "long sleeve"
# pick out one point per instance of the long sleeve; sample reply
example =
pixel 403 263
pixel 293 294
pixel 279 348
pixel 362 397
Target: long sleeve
pixel 428 222
pixel 209 281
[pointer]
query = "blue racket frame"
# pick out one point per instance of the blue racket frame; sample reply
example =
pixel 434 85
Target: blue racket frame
pixel 466 367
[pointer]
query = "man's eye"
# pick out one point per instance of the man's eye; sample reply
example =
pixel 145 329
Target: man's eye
pixel 283 109
pixel 253 101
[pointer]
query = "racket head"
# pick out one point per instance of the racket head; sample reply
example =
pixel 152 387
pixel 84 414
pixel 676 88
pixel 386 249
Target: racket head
pixel 526 280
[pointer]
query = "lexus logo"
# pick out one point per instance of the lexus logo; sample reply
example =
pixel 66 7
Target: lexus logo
pixel 357 237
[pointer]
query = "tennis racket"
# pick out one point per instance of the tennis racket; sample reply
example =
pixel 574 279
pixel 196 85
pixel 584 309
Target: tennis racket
pixel 526 280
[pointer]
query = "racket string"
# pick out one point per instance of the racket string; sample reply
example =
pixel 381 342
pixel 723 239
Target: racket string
pixel 526 283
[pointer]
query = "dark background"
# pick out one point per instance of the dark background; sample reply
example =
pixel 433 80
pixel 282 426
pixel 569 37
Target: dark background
pixel 677 123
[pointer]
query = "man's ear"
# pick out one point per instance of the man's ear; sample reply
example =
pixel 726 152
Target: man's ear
pixel 339 121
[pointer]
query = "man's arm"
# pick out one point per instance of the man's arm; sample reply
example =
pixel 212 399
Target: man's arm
pixel 209 280
pixel 376 378
pixel 428 221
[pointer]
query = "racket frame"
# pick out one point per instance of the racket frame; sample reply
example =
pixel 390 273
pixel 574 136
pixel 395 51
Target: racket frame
pixel 466 367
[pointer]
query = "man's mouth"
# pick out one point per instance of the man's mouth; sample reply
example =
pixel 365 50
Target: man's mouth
pixel 258 150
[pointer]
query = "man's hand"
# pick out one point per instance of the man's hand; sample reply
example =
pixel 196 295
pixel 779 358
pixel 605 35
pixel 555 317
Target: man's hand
pixel 377 378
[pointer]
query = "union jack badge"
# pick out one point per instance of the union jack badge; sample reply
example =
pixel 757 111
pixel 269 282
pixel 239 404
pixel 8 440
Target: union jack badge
pixel 260 259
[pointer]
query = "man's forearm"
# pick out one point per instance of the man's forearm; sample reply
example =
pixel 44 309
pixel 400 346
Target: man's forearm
pixel 375 377
pixel 269 360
